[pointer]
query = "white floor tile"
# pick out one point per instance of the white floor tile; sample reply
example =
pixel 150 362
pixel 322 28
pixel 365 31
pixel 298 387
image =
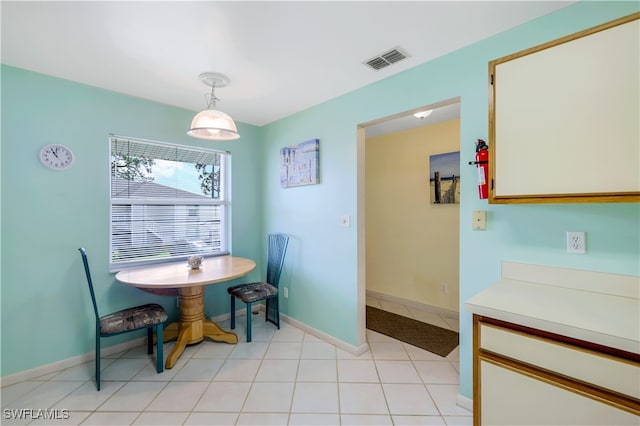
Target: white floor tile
pixel 224 397
pixel 446 397
pixel 315 398
pixel 221 419
pixel 74 418
pixel 214 350
pixel 318 350
pixel 357 371
pixel 161 419
pixel 342 354
pixel 284 350
pixel 81 372
pixel 45 395
pixel 454 355
pixel 124 369
pixel 362 398
pixel 199 369
pixel 429 318
pixel 418 420
pixel 133 396
pixel 249 350
pixel 397 372
pixel 278 370
pixel 189 394
pixel 419 354
pixel 388 350
pixel 149 373
pixel 288 333
pixel 242 370
pixel 262 419
pixel 113 418
pixel 374 336
pixel 438 372
pixel 409 399
pixel 302 419
pixel 14 392
pixel 365 419
pixel 87 398
pixel 458 421
pixel 268 397
pixel 317 370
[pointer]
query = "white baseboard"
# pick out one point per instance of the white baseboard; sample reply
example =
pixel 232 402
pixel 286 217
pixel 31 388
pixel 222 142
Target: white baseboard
pixel 354 350
pixel 413 304
pixel 465 402
pixel 12 379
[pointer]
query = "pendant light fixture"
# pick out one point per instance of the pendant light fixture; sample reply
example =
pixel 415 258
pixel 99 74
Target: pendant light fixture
pixel 211 123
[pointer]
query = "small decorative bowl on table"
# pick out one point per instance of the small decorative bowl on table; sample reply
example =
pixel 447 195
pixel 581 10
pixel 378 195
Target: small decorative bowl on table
pixel 194 262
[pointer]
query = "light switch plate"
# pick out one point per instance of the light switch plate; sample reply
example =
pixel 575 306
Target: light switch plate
pixel 479 219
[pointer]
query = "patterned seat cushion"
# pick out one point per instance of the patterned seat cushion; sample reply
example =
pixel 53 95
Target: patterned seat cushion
pixel 253 291
pixel 132 319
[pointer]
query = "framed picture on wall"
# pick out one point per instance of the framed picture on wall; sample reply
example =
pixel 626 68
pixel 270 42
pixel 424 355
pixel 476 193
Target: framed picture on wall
pixel 299 164
pixel 444 178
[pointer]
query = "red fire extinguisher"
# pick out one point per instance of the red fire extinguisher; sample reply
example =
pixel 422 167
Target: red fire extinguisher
pixel 482 165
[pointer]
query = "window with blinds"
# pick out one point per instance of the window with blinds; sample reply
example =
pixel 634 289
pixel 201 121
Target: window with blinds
pixel 168 202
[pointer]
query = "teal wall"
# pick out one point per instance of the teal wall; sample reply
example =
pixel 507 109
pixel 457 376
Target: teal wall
pixel 47 215
pixel 51 213
pixel 324 289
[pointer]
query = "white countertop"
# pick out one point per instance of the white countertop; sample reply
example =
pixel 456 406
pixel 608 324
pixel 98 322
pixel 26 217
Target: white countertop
pixel 607 319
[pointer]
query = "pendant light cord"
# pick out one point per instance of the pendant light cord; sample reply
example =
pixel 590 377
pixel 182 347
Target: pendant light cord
pixel 210 98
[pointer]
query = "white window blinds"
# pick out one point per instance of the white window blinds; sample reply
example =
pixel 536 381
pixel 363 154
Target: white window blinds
pixel 168 202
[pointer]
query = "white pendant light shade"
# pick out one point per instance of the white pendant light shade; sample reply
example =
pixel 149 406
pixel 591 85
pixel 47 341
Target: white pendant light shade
pixel 213 124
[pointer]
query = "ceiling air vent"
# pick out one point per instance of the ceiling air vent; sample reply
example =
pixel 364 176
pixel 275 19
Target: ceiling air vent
pixel 387 58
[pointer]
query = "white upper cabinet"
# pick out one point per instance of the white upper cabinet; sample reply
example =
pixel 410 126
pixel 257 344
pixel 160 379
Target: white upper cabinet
pixel 564 120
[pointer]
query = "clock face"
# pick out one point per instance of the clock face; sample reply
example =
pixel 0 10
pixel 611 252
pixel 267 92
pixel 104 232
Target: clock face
pixel 57 157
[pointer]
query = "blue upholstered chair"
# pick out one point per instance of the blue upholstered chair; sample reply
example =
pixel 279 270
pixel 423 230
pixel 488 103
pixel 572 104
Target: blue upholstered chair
pixel 268 290
pixel 150 316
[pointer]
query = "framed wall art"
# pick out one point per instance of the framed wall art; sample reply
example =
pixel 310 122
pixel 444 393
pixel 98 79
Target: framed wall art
pixel 299 164
pixel 444 178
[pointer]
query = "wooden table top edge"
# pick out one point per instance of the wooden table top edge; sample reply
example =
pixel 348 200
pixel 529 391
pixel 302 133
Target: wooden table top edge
pixel 177 274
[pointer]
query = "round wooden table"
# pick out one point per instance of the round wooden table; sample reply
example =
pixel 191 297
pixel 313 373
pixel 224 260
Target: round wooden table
pixel 192 327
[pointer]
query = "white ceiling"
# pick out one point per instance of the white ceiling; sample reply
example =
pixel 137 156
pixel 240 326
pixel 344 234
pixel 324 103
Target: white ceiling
pixel 281 57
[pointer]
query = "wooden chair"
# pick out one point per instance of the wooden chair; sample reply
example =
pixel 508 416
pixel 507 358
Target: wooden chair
pixel 150 316
pixel 268 290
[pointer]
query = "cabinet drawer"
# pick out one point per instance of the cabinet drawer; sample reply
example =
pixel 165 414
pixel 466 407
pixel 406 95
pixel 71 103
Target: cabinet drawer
pixel 511 398
pixel 602 370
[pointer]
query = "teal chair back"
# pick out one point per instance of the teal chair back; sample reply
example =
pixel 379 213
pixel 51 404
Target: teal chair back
pixel 264 290
pixel 150 316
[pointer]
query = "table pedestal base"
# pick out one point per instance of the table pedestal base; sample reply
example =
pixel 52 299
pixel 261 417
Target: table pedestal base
pixel 193 327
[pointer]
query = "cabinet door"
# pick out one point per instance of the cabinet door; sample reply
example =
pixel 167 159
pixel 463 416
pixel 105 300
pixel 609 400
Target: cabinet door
pixel 565 117
pixel 510 397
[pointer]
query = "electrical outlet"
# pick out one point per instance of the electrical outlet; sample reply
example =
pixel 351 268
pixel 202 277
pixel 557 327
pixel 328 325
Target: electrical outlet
pixel 576 242
pixel 444 288
pixel 285 292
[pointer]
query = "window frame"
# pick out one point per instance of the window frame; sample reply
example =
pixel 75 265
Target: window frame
pixel 224 201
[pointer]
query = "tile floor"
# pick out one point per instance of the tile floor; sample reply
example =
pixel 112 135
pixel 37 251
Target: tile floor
pixel 284 377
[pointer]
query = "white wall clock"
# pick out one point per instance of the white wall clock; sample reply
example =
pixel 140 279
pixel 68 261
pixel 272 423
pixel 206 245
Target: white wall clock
pixel 56 157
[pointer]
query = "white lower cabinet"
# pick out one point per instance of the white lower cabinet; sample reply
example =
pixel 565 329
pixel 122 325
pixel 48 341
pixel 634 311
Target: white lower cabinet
pixel 522 377
pixel 509 397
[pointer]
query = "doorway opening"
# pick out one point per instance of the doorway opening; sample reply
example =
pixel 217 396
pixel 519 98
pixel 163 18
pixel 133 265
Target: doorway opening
pixel 408 247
